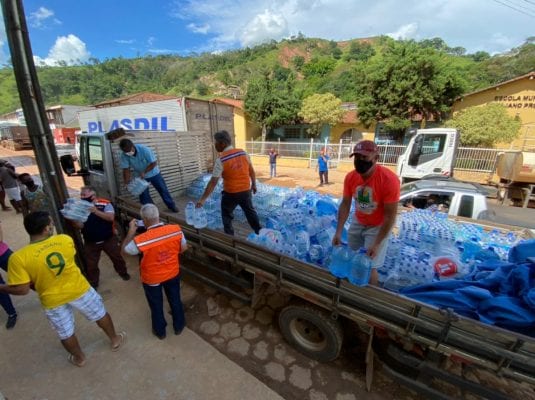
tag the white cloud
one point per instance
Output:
(475, 24)
(124, 41)
(69, 49)
(405, 32)
(264, 27)
(39, 18)
(203, 29)
(151, 40)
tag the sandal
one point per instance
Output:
(122, 335)
(73, 361)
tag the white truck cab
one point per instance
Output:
(429, 152)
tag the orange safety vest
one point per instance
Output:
(160, 247)
(235, 171)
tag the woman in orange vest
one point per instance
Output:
(239, 180)
(160, 246)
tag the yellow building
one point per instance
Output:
(351, 129)
(244, 129)
(518, 95)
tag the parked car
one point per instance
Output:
(461, 199)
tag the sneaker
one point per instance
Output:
(173, 210)
(125, 277)
(178, 331)
(11, 321)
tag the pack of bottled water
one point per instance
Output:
(76, 209)
(426, 246)
(430, 247)
(137, 186)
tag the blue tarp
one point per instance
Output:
(497, 293)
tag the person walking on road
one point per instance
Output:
(99, 235)
(8, 179)
(239, 181)
(5, 300)
(161, 244)
(273, 162)
(47, 265)
(323, 167)
(143, 161)
(376, 192)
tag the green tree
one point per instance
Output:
(403, 80)
(298, 62)
(321, 109)
(485, 126)
(271, 103)
(359, 51)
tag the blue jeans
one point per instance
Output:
(159, 184)
(5, 300)
(154, 297)
(272, 169)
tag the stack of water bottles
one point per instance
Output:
(429, 247)
(76, 210)
(137, 186)
(297, 223)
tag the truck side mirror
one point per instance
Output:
(416, 151)
(67, 164)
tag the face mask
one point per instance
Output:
(89, 199)
(130, 153)
(362, 166)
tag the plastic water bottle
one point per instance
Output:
(302, 242)
(200, 219)
(341, 259)
(361, 267)
(316, 254)
(190, 213)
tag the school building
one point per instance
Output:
(518, 96)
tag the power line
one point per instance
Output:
(527, 8)
(530, 2)
(514, 8)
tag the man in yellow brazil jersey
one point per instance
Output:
(47, 264)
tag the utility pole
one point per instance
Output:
(35, 115)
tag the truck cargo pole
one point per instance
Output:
(34, 112)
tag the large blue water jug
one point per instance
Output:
(361, 267)
(190, 213)
(326, 206)
(341, 259)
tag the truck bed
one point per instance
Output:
(505, 353)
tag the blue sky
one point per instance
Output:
(71, 30)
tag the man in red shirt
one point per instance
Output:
(376, 192)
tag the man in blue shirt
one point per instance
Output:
(143, 162)
(323, 167)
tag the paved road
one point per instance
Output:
(524, 217)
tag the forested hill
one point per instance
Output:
(312, 66)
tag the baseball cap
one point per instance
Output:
(365, 147)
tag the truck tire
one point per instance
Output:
(311, 331)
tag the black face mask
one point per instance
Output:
(362, 166)
(89, 199)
